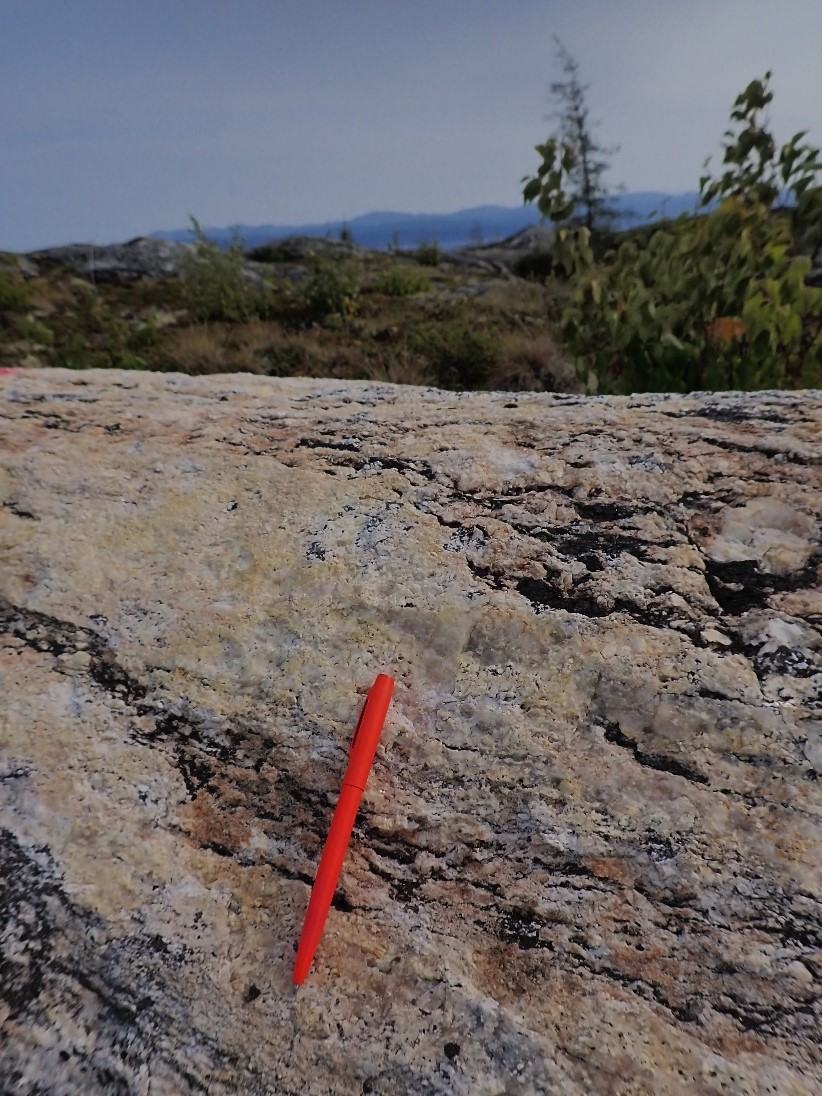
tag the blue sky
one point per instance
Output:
(121, 117)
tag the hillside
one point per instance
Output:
(464, 228)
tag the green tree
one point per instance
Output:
(709, 302)
(753, 173)
(571, 177)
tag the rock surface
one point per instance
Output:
(139, 258)
(143, 257)
(504, 256)
(588, 858)
(302, 248)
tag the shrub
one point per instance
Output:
(328, 292)
(428, 253)
(459, 354)
(216, 285)
(29, 327)
(713, 303)
(96, 337)
(710, 302)
(14, 294)
(403, 283)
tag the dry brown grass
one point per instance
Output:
(49, 295)
(532, 362)
(253, 339)
(469, 330)
(401, 369)
(225, 348)
(197, 349)
(517, 297)
(259, 348)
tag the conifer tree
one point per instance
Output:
(571, 180)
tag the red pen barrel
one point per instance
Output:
(369, 728)
(363, 748)
(325, 883)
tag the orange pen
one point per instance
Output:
(363, 748)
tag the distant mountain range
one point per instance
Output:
(481, 225)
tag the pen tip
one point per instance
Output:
(300, 971)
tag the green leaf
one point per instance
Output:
(531, 190)
(560, 212)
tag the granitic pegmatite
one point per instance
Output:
(588, 858)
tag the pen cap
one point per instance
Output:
(367, 734)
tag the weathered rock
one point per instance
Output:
(505, 256)
(143, 257)
(588, 859)
(300, 248)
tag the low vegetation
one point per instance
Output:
(14, 296)
(334, 312)
(714, 301)
(216, 284)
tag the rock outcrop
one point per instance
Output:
(505, 256)
(142, 257)
(302, 249)
(588, 859)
